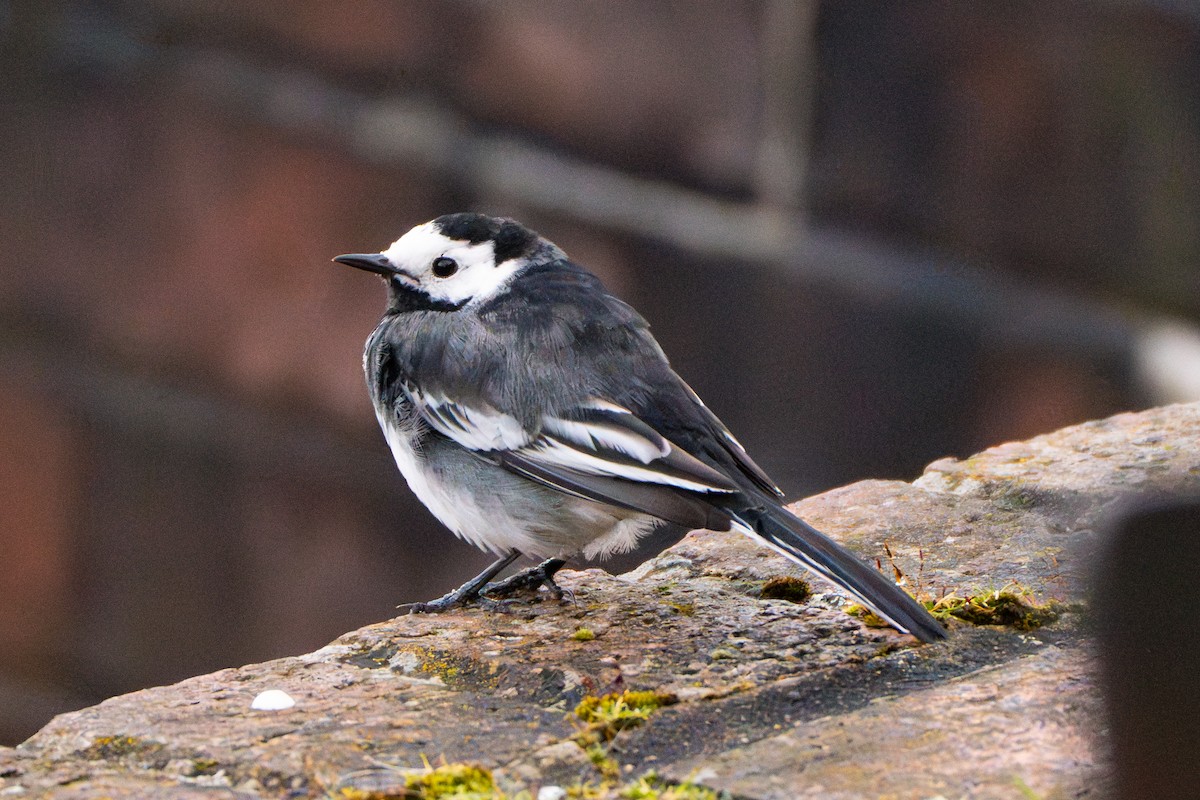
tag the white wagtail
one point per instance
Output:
(533, 413)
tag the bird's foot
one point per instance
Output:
(530, 579)
(467, 594)
(450, 601)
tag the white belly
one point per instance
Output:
(496, 510)
(441, 500)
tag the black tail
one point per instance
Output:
(810, 548)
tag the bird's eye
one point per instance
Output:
(444, 267)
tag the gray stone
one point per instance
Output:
(775, 699)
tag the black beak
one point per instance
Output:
(371, 262)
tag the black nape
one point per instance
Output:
(511, 239)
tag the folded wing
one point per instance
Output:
(599, 450)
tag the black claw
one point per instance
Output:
(421, 608)
(558, 592)
(448, 602)
(553, 588)
(444, 603)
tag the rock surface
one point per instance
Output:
(775, 699)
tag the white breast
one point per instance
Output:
(402, 439)
(512, 514)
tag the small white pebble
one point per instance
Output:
(272, 700)
(551, 793)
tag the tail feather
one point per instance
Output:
(804, 544)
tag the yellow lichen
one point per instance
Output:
(451, 668)
(110, 747)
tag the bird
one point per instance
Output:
(533, 413)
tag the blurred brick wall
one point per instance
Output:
(190, 475)
(1056, 141)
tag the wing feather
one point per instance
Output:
(477, 427)
(681, 508)
(600, 439)
(734, 448)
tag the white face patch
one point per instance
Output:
(476, 279)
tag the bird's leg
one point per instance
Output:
(467, 593)
(532, 578)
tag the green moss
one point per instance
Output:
(613, 713)
(869, 617)
(646, 787)
(458, 781)
(603, 761)
(1011, 606)
(686, 609)
(1013, 495)
(350, 793)
(785, 587)
(203, 766)
(583, 635)
(651, 787)
(1026, 792)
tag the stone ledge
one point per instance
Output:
(775, 699)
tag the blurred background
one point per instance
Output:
(869, 234)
